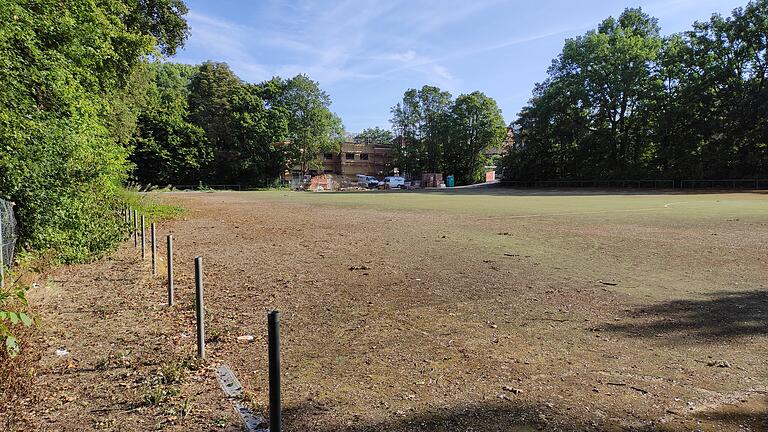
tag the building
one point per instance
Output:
(354, 157)
(357, 157)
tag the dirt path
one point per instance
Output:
(124, 358)
(415, 321)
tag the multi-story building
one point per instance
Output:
(354, 157)
(357, 157)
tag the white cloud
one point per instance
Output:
(348, 40)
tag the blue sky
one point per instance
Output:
(366, 53)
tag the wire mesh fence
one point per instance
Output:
(8, 236)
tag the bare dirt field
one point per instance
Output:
(484, 310)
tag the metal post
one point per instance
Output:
(170, 269)
(153, 238)
(143, 238)
(273, 330)
(135, 230)
(200, 309)
(2, 260)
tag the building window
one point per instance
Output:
(329, 156)
(349, 156)
(363, 156)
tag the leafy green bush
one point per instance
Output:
(68, 89)
(13, 306)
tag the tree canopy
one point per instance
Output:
(622, 101)
(72, 79)
(438, 134)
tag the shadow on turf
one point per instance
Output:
(501, 416)
(746, 420)
(721, 316)
(495, 416)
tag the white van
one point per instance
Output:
(395, 182)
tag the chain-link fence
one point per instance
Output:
(7, 238)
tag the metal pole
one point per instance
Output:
(170, 269)
(2, 249)
(153, 238)
(200, 307)
(273, 330)
(143, 238)
(135, 230)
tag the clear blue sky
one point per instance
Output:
(366, 53)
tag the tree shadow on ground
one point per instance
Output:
(746, 419)
(721, 316)
(506, 415)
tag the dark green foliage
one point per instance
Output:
(623, 102)
(67, 74)
(376, 136)
(203, 124)
(166, 147)
(474, 124)
(312, 127)
(163, 19)
(420, 121)
(437, 134)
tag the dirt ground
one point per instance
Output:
(473, 311)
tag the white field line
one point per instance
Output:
(675, 203)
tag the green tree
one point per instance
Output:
(420, 122)
(212, 90)
(166, 147)
(65, 76)
(475, 124)
(312, 127)
(259, 131)
(621, 101)
(375, 135)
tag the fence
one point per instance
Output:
(750, 184)
(204, 187)
(8, 236)
(227, 380)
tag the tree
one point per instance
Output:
(211, 92)
(166, 147)
(163, 19)
(475, 124)
(375, 135)
(66, 110)
(312, 127)
(258, 157)
(419, 120)
(621, 101)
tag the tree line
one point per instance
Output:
(70, 78)
(89, 106)
(204, 124)
(623, 102)
(436, 134)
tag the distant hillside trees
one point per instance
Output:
(622, 101)
(438, 134)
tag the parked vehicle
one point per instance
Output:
(369, 182)
(395, 182)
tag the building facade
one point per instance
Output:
(359, 158)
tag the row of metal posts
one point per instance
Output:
(273, 318)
